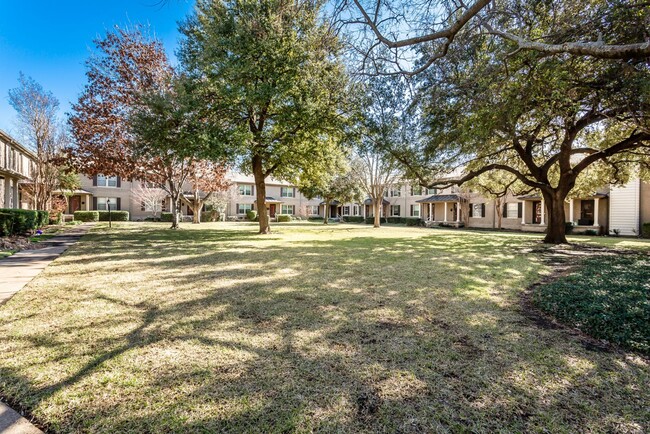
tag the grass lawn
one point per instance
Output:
(334, 329)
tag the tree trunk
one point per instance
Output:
(260, 187)
(555, 218)
(326, 212)
(376, 205)
(196, 208)
(176, 210)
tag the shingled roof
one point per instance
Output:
(440, 198)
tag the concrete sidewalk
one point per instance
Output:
(13, 423)
(18, 270)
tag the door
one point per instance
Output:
(537, 212)
(75, 204)
(333, 213)
(272, 210)
(586, 212)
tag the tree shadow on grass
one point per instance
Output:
(360, 334)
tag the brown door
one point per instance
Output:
(537, 212)
(272, 210)
(75, 204)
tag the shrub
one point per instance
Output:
(116, 216)
(396, 220)
(209, 216)
(414, 221)
(152, 219)
(166, 217)
(645, 230)
(590, 232)
(353, 219)
(251, 215)
(315, 219)
(371, 220)
(21, 221)
(568, 228)
(86, 216)
(283, 218)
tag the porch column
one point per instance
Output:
(445, 220)
(430, 218)
(543, 219)
(571, 210)
(364, 211)
(523, 212)
(596, 200)
(7, 192)
(457, 212)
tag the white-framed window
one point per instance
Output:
(312, 209)
(243, 208)
(287, 192)
(395, 192)
(415, 210)
(478, 210)
(431, 190)
(288, 209)
(394, 211)
(103, 202)
(512, 210)
(245, 190)
(346, 210)
(106, 181)
(416, 190)
(356, 210)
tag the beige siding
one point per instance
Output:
(624, 208)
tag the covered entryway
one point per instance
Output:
(271, 205)
(442, 208)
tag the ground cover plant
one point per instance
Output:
(343, 328)
(607, 296)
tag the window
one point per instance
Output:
(312, 209)
(477, 210)
(395, 192)
(243, 208)
(356, 210)
(431, 190)
(245, 190)
(288, 209)
(346, 210)
(287, 192)
(106, 181)
(416, 190)
(103, 202)
(394, 210)
(415, 210)
(512, 210)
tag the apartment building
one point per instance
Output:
(624, 208)
(16, 166)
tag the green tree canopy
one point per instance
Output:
(270, 69)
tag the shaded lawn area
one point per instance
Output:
(342, 328)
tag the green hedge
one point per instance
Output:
(86, 216)
(645, 230)
(396, 220)
(21, 221)
(116, 216)
(315, 219)
(568, 228)
(353, 219)
(251, 215)
(414, 221)
(283, 218)
(166, 217)
(371, 220)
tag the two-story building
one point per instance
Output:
(17, 164)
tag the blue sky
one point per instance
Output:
(50, 40)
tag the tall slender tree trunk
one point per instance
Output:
(196, 208)
(326, 212)
(376, 206)
(176, 210)
(555, 217)
(260, 187)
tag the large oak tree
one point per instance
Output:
(270, 70)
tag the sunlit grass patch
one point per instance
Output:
(338, 328)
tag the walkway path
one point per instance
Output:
(13, 423)
(19, 269)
